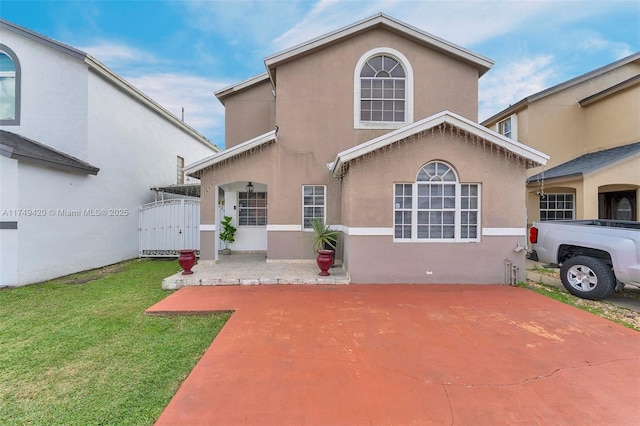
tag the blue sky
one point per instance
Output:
(180, 52)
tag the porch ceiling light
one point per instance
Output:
(249, 187)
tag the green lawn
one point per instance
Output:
(80, 351)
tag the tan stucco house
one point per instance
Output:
(590, 126)
(372, 127)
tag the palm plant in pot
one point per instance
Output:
(227, 236)
(324, 244)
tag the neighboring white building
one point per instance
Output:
(80, 149)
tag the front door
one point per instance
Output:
(619, 205)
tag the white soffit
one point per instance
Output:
(444, 117)
(231, 152)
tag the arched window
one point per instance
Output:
(383, 90)
(9, 87)
(436, 207)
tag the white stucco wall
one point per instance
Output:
(74, 110)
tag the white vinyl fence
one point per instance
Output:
(168, 226)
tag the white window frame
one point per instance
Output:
(513, 121)
(17, 89)
(404, 62)
(457, 210)
(556, 210)
(323, 205)
(255, 208)
(180, 170)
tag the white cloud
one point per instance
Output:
(593, 42)
(512, 82)
(117, 54)
(173, 91)
(467, 22)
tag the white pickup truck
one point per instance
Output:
(595, 256)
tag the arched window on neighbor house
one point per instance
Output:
(9, 87)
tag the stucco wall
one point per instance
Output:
(54, 96)
(249, 113)
(72, 109)
(377, 259)
(370, 180)
(369, 204)
(614, 120)
(560, 127)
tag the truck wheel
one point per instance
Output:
(587, 277)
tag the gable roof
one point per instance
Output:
(588, 163)
(531, 156)
(380, 20)
(562, 86)
(19, 148)
(194, 169)
(109, 76)
(237, 87)
(630, 82)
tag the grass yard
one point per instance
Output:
(80, 351)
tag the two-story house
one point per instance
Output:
(373, 128)
(590, 126)
(80, 149)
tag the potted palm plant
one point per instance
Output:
(227, 236)
(324, 244)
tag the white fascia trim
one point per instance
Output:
(363, 230)
(284, 228)
(207, 227)
(223, 93)
(435, 120)
(366, 231)
(113, 78)
(504, 232)
(482, 63)
(231, 152)
(360, 231)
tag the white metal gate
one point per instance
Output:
(168, 226)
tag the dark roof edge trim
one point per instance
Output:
(610, 91)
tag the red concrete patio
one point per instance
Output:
(404, 355)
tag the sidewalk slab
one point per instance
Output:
(402, 355)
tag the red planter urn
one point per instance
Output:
(324, 260)
(186, 260)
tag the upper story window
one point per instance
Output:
(436, 207)
(383, 82)
(9, 87)
(382, 90)
(508, 127)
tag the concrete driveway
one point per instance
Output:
(404, 355)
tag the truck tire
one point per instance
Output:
(587, 277)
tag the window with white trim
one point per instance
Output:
(437, 207)
(313, 204)
(383, 90)
(556, 206)
(9, 87)
(508, 127)
(252, 208)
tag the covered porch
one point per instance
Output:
(253, 269)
